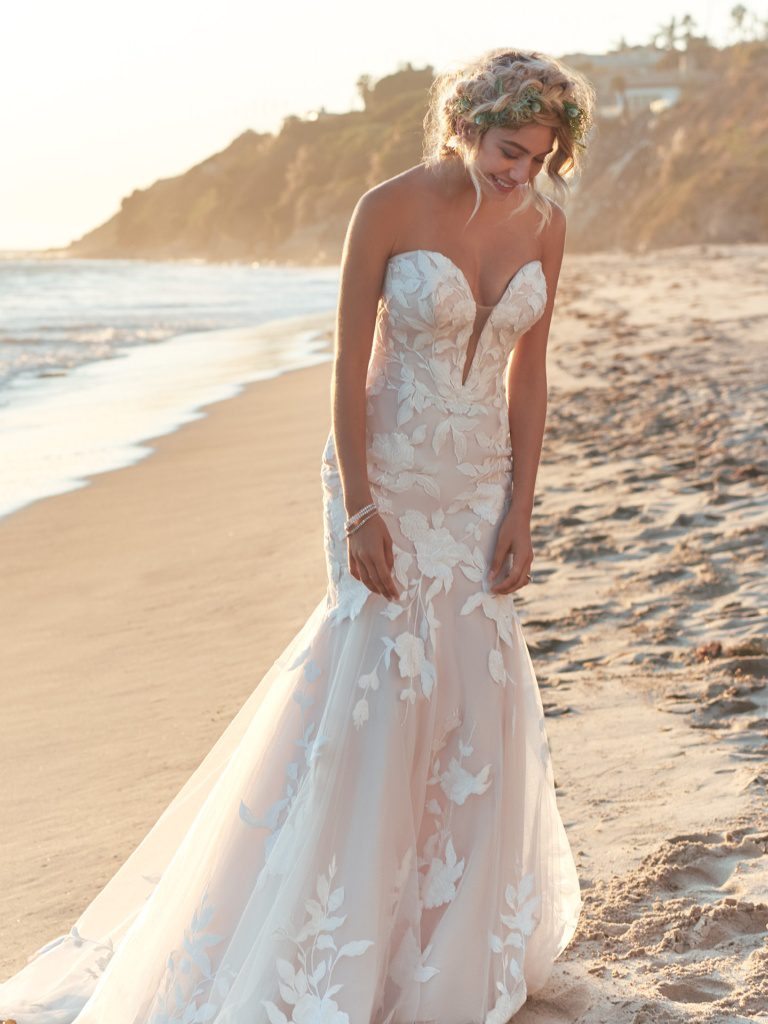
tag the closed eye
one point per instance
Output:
(514, 156)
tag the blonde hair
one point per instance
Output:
(484, 88)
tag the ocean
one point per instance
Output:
(97, 356)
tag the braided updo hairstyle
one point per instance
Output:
(487, 89)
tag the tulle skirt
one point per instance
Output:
(336, 864)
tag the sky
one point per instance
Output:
(101, 98)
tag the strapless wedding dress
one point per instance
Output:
(374, 839)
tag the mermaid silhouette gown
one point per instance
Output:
(374, 839)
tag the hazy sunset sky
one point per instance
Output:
(102, 98)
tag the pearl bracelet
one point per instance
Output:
(361, 522)
(351, 520)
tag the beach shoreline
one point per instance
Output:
(140, 611)
(107, 412)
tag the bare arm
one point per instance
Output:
(367, 246)
(527, 390)
(527, 379)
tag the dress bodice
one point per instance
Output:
(426, 322)
(437, 450)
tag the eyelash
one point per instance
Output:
(513, 156)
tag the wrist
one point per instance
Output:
(519, 513)
(354, 503)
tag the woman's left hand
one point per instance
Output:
(515, 538)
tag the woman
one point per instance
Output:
(375, 836)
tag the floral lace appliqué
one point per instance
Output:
(306, 981)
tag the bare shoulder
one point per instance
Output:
(371, 239)
(386, 209)
(555, 229)
(553, 235)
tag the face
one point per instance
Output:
(511, 157)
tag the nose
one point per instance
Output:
(523, 172)
(517, 174)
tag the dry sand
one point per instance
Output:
(139, 612)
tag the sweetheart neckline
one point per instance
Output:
(463, 276)
(467, 369)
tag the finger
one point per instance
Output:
(353, 569)
(385, 576)
(515, 579)
(502, 587)
(366, 577)
(505, 584)
(496, 562)
(501, 570)
(385, 580)
(389, 553)
(377, 579)
(518, 584)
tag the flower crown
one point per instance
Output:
(522, 110)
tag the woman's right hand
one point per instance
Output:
(371, 559)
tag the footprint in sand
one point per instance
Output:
(694, 990)
(706, 927)
(672, 917)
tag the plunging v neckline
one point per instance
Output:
(463, 276)
(467, 369)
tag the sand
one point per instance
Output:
(139, 612)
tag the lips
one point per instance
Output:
(507, 186)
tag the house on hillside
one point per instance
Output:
(630, 80)
(636, 98)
